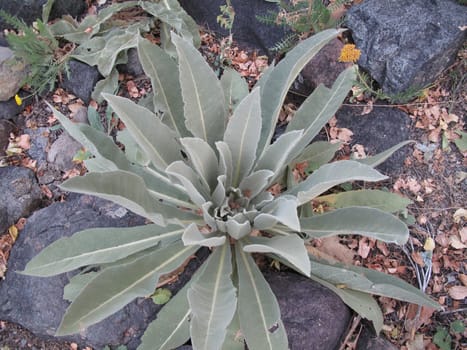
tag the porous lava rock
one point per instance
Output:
(406, 43)
(21, 195)
(81, 79)
(378, 130)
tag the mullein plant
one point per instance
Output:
(201, 175)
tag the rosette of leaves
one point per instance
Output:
(201, 174)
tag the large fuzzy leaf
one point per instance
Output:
(212, 298)
(242, 135)
(386, 201)
(192, 236)
(283, 209)
(117, 285)
(161, 68)
(238, 226)
(290, 248)
(202, 94)
(279, 80)
(156, 139)
(317, 154)
(371, 281)
(255, 183)
(235, 88)
(381, 157)
(234, 337)
(258, 310)
(319, 107)
(204, 160)
(128, 190)
(362, 303)
(333, 174)
(363, 221)
(190, 181)
(76, 285)
(277, 155)
(97, 245)
(225, 162)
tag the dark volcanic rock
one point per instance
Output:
(37, 304)
(368, 340)
(6, 127)
(20, 195)
(247, 30)
(315, 318)
(30, 10)
(81, 80)
(378, 130)
(406, 43)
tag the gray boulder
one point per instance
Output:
(20, 195)
(247, 30)
(81, 79)
(377, 131)
(30, 10)
(406, 43)
(13, 71)
(62, 152)
(6, 127)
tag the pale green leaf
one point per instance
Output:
(190, 181)
(204, 108)
(319, 107)
(363, 221)
(279, 154)
(255, 183)
(333, 174)
(133, 152)
(192, 236)
(235, 88)
(156, 139)
(234, 339)
(238, 226)
(290, 248)
(203, 158)
(371, 281)
(96, 246)
(242, 135)
(162, 69)
(212, 298)
(283, 209)
(117, 285)
(317, 154)
(161, 296)
(362, 303)
(225, 162)
(76, 285)
(386, 201)
(375, 160)
(276, 85)
(107, 85)
(258, 309)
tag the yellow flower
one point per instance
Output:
(349, 53)
(18, 100)
(429, 244)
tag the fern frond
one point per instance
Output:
(286, 43)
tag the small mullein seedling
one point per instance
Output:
(201, 174)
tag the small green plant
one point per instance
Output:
(443, 339)
(302, 17)
(202, 174)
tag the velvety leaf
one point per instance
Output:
(203, 159)
(156, 139)
(218, 195)
(381, 157)
(362, 303)
(238, 226)
(225, 162)
(317, 154)
(319, 107)
(97, 245)
(242, 135)
(202, 94)
(116, 286)
(283, 209)
(234, 339)
(235, 88)
(161, 68)
(76, 285)
(333, 174)
(107, 85)
(258, 310)
(386, 201)
(196, 190)
(363, 221)
(133, 152)
(255, 183)
(275, 87)
(279, 154)
(192, 236)
(371, 281)
(291, 248)
(212, 298)
(171, 328)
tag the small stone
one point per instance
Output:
(81, 79)
(13, 71)
(62, 151)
